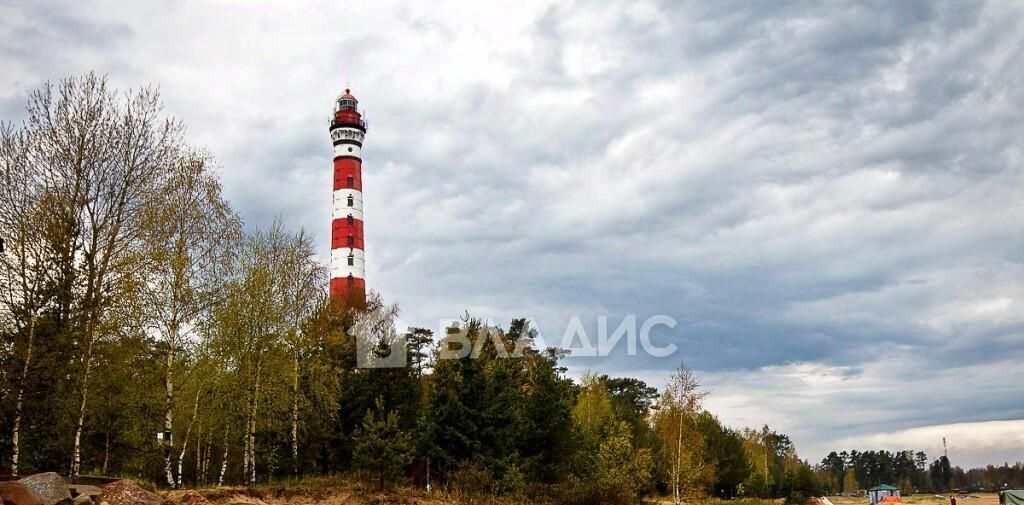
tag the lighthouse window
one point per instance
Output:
(351, 201)
(351, 184)
(351, 241)
(351, 260)
(350, 149)
(350, 220)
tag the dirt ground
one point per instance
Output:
(329, 492)
(339, 492)
(920, 499)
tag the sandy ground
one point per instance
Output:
(343, 493)
(333, 494)
(921, 499)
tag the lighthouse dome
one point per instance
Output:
(346, 101)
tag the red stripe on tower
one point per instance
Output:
(347, 251)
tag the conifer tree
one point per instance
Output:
(382, 448)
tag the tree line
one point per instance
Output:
(911, 471)
(146, 332)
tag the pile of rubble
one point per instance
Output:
(51, 489)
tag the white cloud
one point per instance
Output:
(890, 401)
(968, 443)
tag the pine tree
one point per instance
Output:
(547, 443)
(382, 449)
(723, 448)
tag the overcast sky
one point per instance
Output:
(828, 199)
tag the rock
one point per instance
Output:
(84, 489)
(126, 492)
(16, 493)
(50, 486)
(82, 499)
(193, 498)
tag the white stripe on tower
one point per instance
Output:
(347, 261)
(346, 202)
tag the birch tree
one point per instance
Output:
(681, 442)
(25, 264)
(101, 155)
(303, 287)
(190, 235)
(251, 327)
(217, 389)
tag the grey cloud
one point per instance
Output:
(792, 183)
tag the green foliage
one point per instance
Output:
(907, 469)
(382, 449)
(631, 401)
(619, 473)
(499, 411)
(755, 485)
(800, 484)
(456, 384)
(512, 483)
(613, 468)
(593, 414)
(850, 483)
(682, 464)
(774, 464)
(723, 448)
(546, 437)
(941, 474)
(622, 473)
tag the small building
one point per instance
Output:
(880, 492)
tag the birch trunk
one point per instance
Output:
(252, 426)
(20, 403)
(295, 415)
(76, 454)
(202, 459)
(172, 335)
(224, 459)
(188, 432)
(106, 453)
(206, 457)
(676, 498)
(199, 459)
(245, 444)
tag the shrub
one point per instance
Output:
(470, 479)
(512, 483)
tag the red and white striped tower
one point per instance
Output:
(348, 269)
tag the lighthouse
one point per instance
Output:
(348, 257)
